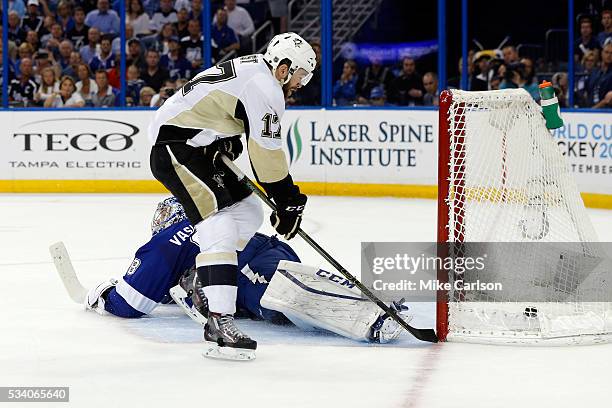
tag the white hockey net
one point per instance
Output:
(503, 179)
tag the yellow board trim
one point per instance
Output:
(81, 186)
(369, 190)
(592, 200)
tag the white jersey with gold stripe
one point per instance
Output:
(237, 96)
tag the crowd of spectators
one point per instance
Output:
(593, 63)
(401, 84)
(68, 52)
(379, 85)
(593, 58)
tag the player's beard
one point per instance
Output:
(287, 91)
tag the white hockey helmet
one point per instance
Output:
(294, 48)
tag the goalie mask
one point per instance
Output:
(294, 48)
(168, 212)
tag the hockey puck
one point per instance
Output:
(531, 312)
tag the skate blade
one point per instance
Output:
(213, 350)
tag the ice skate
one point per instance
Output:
(224, 340)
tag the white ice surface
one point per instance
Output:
(46, 340)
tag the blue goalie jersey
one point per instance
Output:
(158, 265)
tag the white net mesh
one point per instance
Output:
(509, 183)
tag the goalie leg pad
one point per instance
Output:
(314, 298)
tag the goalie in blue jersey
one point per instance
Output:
(272, 284)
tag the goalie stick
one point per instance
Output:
(66, 272)
(421, 334)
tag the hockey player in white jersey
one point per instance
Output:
(206, 118)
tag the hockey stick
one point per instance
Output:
(66, 272)
(421, 334)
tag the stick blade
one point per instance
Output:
(66, 272)
(425, 335)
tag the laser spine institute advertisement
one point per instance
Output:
(379, 147)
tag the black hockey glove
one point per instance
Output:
(288, 215)
(229, 146)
